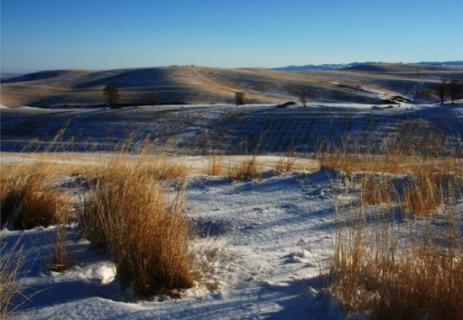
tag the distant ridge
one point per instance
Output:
(355, 82)
(355, 65)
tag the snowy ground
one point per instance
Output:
(268, 242)
(200, 129)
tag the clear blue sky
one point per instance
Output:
(103, 34)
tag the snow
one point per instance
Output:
(198, 129)
(267, 242)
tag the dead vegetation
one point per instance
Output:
(216, 166)
(286, 163)
(29, 198)
(392, 272)
(391, 277)
(128, 214)
(11, 284)
(245, 170)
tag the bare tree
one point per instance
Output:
(455, 89)
(441, 91)
(239, 98)
(112, 95)
(150, 99)
(303, 93)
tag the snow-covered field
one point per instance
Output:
(198, 129)
(267, 242)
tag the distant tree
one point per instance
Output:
(441, 91)
(239, 98)
(150, 99)
(303, 93)
(112, 95)
(455, 89)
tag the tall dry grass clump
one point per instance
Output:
(216, 166)
(394, 271)
(389, 279)
(11, 285)
(161, 168)
(60, 260)
(245, 170)
(28, 197)
(421, 192)
(286, 163)
(387, 267)
(128, 213)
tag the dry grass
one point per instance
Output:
(160, 167)
(421, 192)
(377, 189)
(247, 169)
(381, 268)
(389, 279)
(11, 285)
(350, 163)
(429, 178)
(128, 213)
(60, 255)
(28, 197)
(216, 166)
(380, 271)
(286, 164)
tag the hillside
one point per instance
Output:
(364, 83)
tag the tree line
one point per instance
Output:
(452, 89)
(447, 89)
(111, 92)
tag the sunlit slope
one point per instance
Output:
(188, 84)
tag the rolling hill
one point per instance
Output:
(367, 82)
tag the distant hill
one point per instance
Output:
(364, 65)
(356, 82)
(7, 75)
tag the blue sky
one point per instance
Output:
(103, 34)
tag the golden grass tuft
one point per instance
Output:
(389, 280)
(161, 168)
(286, 164)
(29, 199)
(376, 189)
(128, 213)
(393, 272)
(247, 169)
(379, 271)
(60, 255)
(419, 193)
(216, 166)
